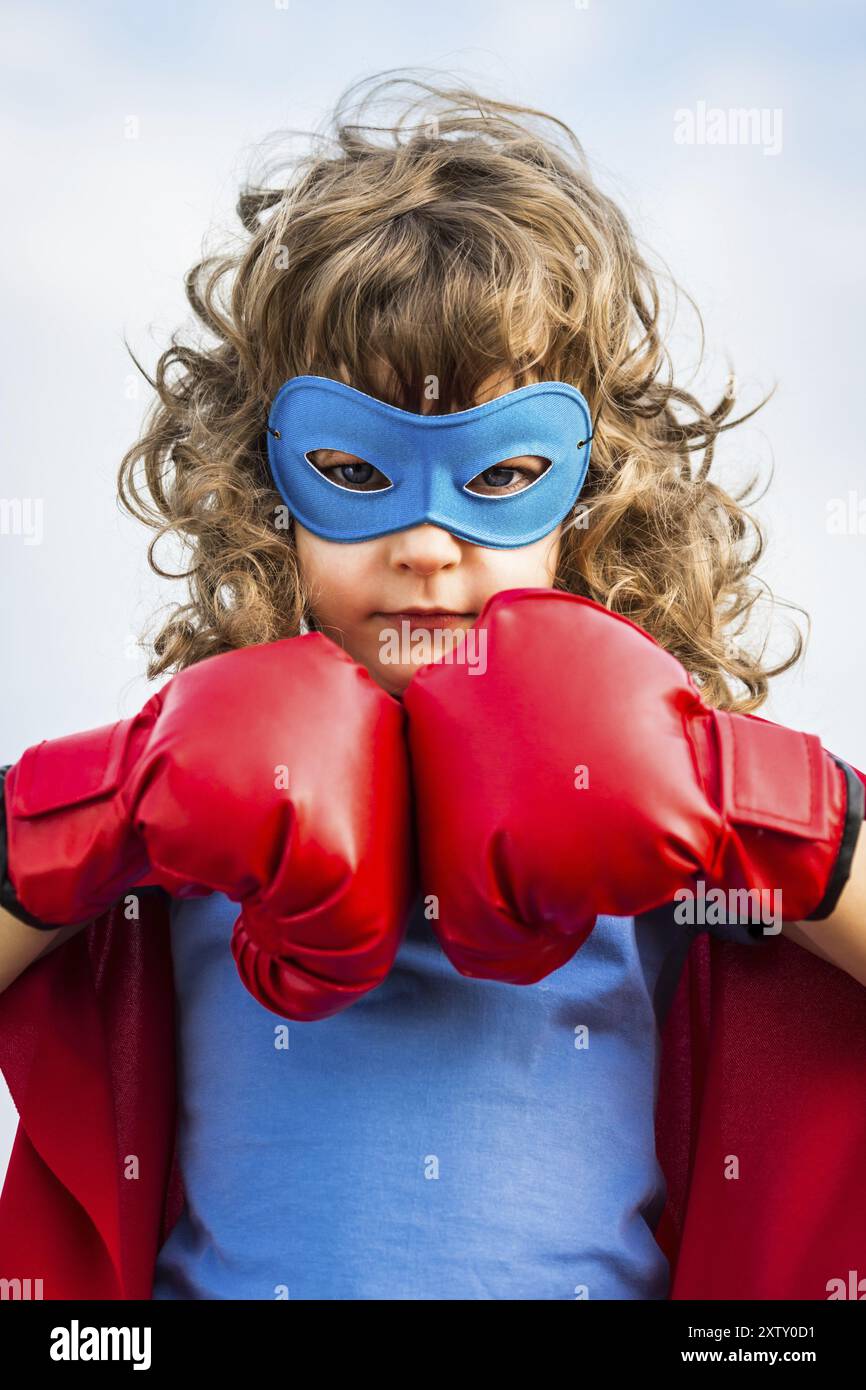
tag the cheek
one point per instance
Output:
(548, 546)
(338, 575)
(316, 566)
(312, 569)
(532, 565)
(554, 543)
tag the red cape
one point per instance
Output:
(763, 1059)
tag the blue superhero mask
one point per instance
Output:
(428, 460)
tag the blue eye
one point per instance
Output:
(499, 476)
(355, 472)
(508, 477)
(355, 475)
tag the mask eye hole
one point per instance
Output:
(510, 476)
(347, 471)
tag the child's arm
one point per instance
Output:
(841, 937)
(21, 944)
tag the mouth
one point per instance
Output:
(427, 617)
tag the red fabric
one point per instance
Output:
(763, 1057)
(87, 1050)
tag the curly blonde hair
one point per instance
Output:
(467, 241)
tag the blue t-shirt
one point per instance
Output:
(443, 1138)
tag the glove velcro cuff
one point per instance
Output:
(8, 899)
(783, 799)
(69, 847)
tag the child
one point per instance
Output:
(440, 326)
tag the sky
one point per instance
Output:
(126, 129)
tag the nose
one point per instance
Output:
(424, 549)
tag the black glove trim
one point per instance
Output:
(7, 892)
(854, 792)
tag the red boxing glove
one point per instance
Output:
(582, 774)
(276, 774)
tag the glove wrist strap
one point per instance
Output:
(854, 813)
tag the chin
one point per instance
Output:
(398, 678)
(394, 679)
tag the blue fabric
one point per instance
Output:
(428, 460)
(443, 1138)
